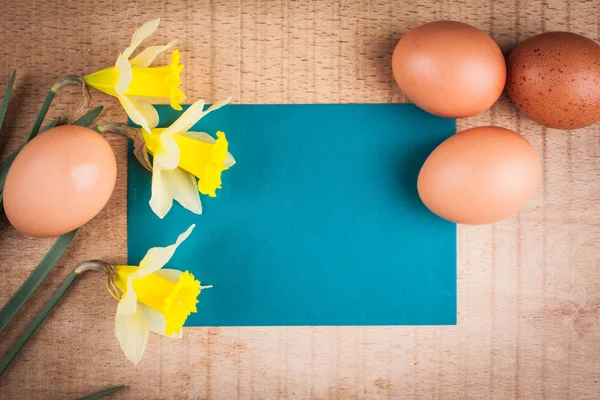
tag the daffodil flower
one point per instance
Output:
(153, 299)
(136, 84)
(186, 162)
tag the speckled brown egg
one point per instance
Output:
(554, 79)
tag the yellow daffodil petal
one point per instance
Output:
(146, 110)
(175, 184)
(169, 274)
(133, 112)
(192, 115)
(147, 56)
(183, 188)
(187, 119)
(166, 158)
(166, 155)
(124, 73)
(229, 161)
(161, 199)
(156, 321)
(199, 136)
(140, 35)
(128, 303)
(157, 257)
(132, 332)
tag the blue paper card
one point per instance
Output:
(318, 223)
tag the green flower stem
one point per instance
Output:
(15, 303)
(6, 361)
(103, 393)
(70, 80)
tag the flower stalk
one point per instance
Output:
(140, 151)
(70, 80)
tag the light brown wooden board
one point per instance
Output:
(528, 287)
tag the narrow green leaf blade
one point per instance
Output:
(5, 165)
(31, 329)
(103, 393)
(41, 115)
(4, 106)
(89, 117)
(50, 125)
(15, 303)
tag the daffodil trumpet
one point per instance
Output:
(137, 84)
(186, 163)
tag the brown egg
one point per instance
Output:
(554, 79)
(59, 181)
(479, 176)
(449, 69)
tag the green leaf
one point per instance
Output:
(5, 165)
(89, 117)
(15, 303)
(31, 329)
(103, 393)
(41, 115)
(4, 106)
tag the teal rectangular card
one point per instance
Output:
(318, 223)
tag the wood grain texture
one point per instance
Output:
(528, 287)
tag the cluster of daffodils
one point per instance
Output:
(186, 163)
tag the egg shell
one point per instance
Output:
(449, 69)
(59, 181)
(479, 176)
(554, 79)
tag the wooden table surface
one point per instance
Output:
(528, 287)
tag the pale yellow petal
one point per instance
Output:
(229, 161)
(152, 100)
(187, 119)
(134, 113)
(157, 257)
(161, 199)
(147, 111)
(184, 189)
(156, 321)
(171, 275)
(194, 114)
(199, 136)
(147, 56)
(167, 157)
(125, 74)
(128, 303)
(140, 34)
(132, 332)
